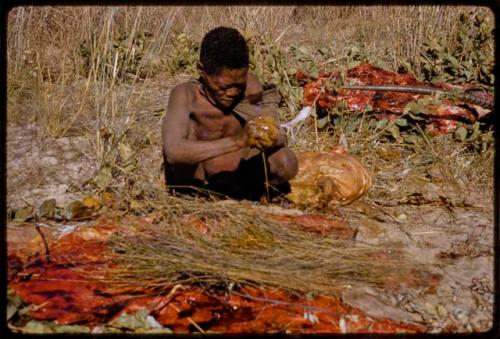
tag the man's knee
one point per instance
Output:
(283, 164)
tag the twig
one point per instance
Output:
(163, 302)
(316, 115)
(264, 160)
(393, 218)
(428, 232)
(189, 319)
(47, 253)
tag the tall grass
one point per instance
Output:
(44, 42)
(84, 70)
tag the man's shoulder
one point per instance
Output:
(253, 84)
(254, 90)
(186, 89)
(187, 85)
(259, 100)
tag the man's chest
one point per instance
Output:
(210, 123)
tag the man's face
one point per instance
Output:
(226, 88)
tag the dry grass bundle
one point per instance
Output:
(244, 245)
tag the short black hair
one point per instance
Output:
(223, 47)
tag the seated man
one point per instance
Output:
(216, 127)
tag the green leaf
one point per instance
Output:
(26, 310)
(140, 320)
(401, 122)
(354, 51)
(381, 124)
(409, 107)
(411, 139)
(104, 177)
(353, 64)
(313, 71)
(394, 130)
(420, 106)
(323, 122)
(38, 327)
(323, 51)
(24, 214)
(454, 62)
(47, 209)
(76, 210)
(486, 138)
(476, 132)
(310, 295)
(125, 151)
(43, 327)
(71, 329)
(159, 330)
(303, 50)
(415, 117)
(461, 133)
(406, 66)
(106, 329)
(14, 302)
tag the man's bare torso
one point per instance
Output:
(208, 122)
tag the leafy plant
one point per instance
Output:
(470, 60)
(184, 55)
(354, 56)
(120, 57)
(272, 65)
(118, 159)
(303, 59)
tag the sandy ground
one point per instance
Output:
(452, 235)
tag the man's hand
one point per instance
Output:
(262, 132)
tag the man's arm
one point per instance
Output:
(254, 98)
(282, 139)
(175, 128)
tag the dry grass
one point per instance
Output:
(44, 43)
(245, 245)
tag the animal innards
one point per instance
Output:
(270, 169)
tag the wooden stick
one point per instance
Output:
(266, 176)
(47, 253)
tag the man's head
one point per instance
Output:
(223, 65)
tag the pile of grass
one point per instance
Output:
(247, 246)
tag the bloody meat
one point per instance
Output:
(66, 290)
(442, 118)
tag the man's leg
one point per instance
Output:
(283, 166)
(181, 179)
(248, 181)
